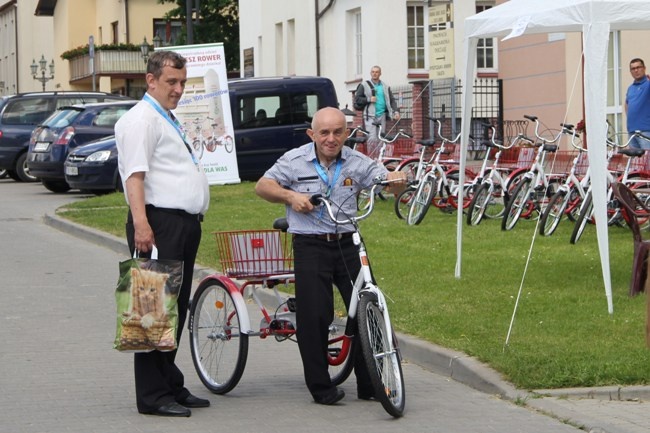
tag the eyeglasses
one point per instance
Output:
(636, 68)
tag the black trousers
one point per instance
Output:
(319, 265)
(158, 380)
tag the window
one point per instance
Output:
(116, 32)
(353, 49)
(169, 32)
(109, 116)
(358, 51)
(28, 111)
(273, 110)
(615, 93)
(486, 50)
(415, 36)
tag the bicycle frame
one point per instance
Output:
(483, 186)
(365, 281)
(375, 332)
(524, 201)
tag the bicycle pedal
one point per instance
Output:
(281, 325)
(291, 304)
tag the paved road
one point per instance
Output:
(60, 374)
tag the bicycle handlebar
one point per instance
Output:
(356, 129)
(501, 146)
(635, 134)
(539, 137)
(444, 139)
(570, 129)
(317, 199)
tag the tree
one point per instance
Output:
(218, 22)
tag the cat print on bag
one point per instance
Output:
(147, 302)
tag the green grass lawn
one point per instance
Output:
(562, 334)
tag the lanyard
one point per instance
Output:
(174, 122)
(325, 178)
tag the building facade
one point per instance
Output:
(415, 41)
(31, 30)
(24, 39)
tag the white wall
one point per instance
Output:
(24, 38)
(384, 39)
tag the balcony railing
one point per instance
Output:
(107, 63)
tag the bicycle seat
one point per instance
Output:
(428, 142)
(387, 137)
(357, 139)
(632, 152)
(281, 224)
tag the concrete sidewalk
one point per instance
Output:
(607, 409)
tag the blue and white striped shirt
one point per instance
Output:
(295, 170)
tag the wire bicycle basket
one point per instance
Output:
(248, 254)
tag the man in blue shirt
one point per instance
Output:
(637, 104)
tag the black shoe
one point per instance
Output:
(194, 401)
(366, 394)
(170, 409)
(329, 399)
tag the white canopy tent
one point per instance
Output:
(595, 19)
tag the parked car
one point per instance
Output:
(93, 167)
(66, 129)
(288, 104)
(20, 113)
(3, 171)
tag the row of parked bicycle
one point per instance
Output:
(551, 185)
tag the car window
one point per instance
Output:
(304, 107)
(62, 118)
(26, 111)
(258, 111)
(109, 116)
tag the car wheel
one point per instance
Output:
(22, 172)
(56, 185)
(3, 173)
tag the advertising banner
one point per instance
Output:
(204, 111)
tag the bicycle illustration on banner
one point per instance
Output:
(207, 138)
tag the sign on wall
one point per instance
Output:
(204, 111)
(441, 41)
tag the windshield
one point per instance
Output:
(62, 117)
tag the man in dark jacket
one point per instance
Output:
(376, 100)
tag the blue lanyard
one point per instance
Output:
(325, 178)
(174, 122)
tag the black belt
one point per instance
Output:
(328, 237)
(181, 212)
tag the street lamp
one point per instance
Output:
(43, 65)
(144, 47)
(144, 50)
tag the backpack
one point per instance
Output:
(361, 101)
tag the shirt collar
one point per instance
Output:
(310, 152)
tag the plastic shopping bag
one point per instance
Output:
(147, 310)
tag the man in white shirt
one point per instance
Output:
(167, 193)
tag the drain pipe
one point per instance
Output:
(318, 16)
